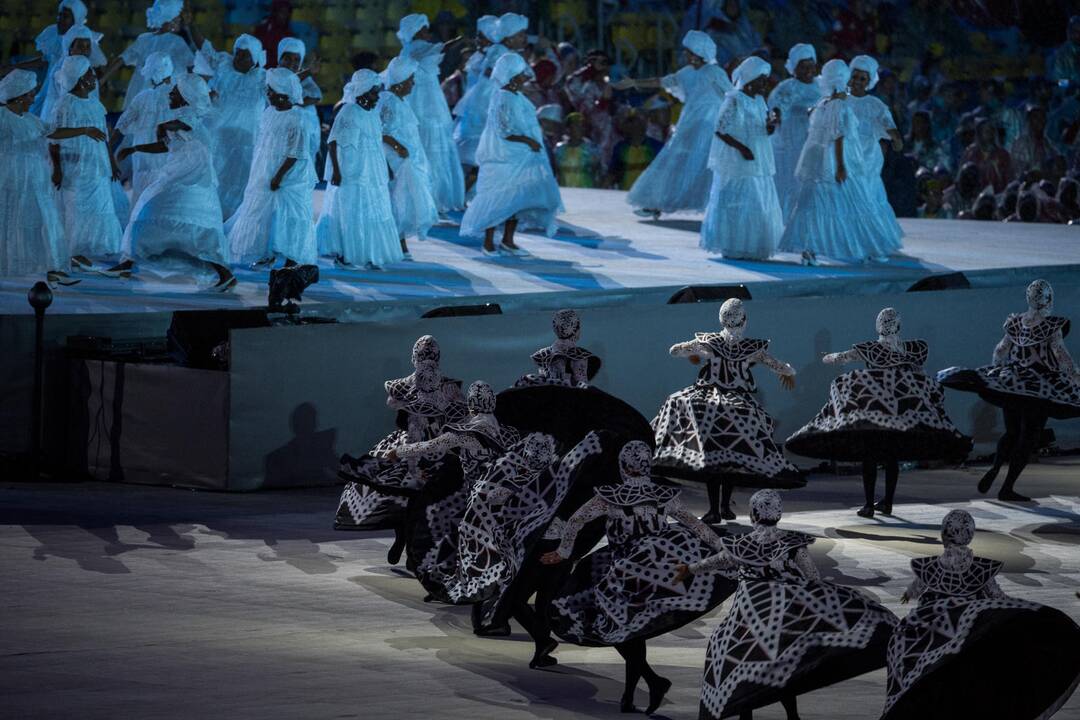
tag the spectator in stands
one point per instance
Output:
(658, 113)
(992, 106)
(274, 28)
(960, 197)
(854, 28)
(994, 162)
(984, 207)
(1068, 196)
(590, 94)
(1033, 148)
(1007, 201)
(568, 60)
(632, 154)
(932, 196)
(1065, 64)
(921, 144)
(1027, 208)
(453, 87)
(543, 90)
(550, 118)
(577, 158)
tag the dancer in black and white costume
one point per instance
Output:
(563, 362)
(627, 592)
(433, 513)
(715, 431)
(1032, 379)
(969, 650)
(886, 413)
(788, 631)
(378, 485)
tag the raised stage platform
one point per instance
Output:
(605, 253)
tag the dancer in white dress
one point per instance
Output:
(470, 113)
(410, 187)
(139, 122)
(516, 184)
(78, 40)
(33, 241)
(834, 216)
(357, 225)
(179, 212)
(743, 220)
(51, 44)
(83, 166)
(436, 125)
(792, 99)
(164, 22)
(875, 124)
(239, 82)
(679, 177)
(291, 54)
(275, 217)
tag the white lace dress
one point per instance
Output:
(169, 43)
(793, 99)
(411, 187)
(436, 126)
(138, 124)
(875, 122)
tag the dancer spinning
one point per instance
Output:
(715, 431)
(792, 99)
(179, 212)
(875, 124)
(429, 104)
(969, 650)
(678, 179)
(788, 631)
(140, 120)
(274, 218)
(563, 362)
(516, 185)
(1032, 378)
(33, 233)
(832, 215)
(743, 219)
(357, 225)
(886, 413)
(410, 185)
(629, 591)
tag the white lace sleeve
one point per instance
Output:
(504, 115)
(1061, 354)
(780, 368)
(1001, 350)
(597, 507)
(690, 347)
(589, 445)
(839, 358)
(806, 565)
(702, 532)
(440, 446)
(720, 562)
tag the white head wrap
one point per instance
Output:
(1040, 296)
(399, 70)
(156, 67)
(750, 70)
(509, 67)
(360, 82)
(410, 25)
(76, 32)
(488, 26)
(16, 84)
(888, 322)
(550, 112)
(701, 45)
(77, 8)
(869, 66)
(834, 77)
(285, 82)
(766, 506)
(291, 45)
(957, 528)
(253, 45)
(195, 92)
(798, 53)
(163, 11)
(73, 68)
(492, 55)
(511, 24)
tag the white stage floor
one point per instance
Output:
(601, 246)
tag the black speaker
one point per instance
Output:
(195, 334)
(463, 310)
(709, 293)
(945, 281)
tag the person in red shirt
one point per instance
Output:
(275, 28)
(993, 161)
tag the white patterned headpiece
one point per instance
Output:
(509, 66)
(834, 76)
(426, 349)
(750, 70)
(71, 71)
(481, 398)
(253, 45)
(635, 460)
(869, 66)
(285, 82)
(511, 24)
(77, 8)
(409, 26)
(701, 45)
(488, 26)
(1040, 296)
(292, 45)
(888, 321)
(16, 84)
(157, 67)
(399, 70)
(766, 506)
(361, 82)
(566, 324)
(733, 314)
(957, 528)
(798, 53)
(76, 32)
(195, 92)
(538, 450)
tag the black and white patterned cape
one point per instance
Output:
(627, 589)
(1031, 369)
(376, 489)
(715, 428)
(788, 631)
(507, 514)
(969, 650)
(561, 363)
(888, 411)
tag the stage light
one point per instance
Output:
(287, 285)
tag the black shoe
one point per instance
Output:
(987, 480)
(883, 507)
(657, 691)
(626, 705)
(867, 511)
(542, 658)
(712, 518)
(493, 631)
(727, 513)
(394, 556)
(1012, 496)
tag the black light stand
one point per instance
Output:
(40, 297)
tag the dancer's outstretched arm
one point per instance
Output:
(703, 532)
(596, 507)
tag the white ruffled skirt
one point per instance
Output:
(679, 177)
(743, 219)
(273, 223)
(444, 164)
(357, 224)
(523, 188)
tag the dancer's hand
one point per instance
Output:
(392, 455)
(402, 151)
(624, 84)
(905, 598)
(534, 145)
(551, 558)
(694, 359)
(57, 177)
(124, 154)
(746, 153)
(335, 178)
(841, 174)
(787, 382)
(682, 572)
(94, 134)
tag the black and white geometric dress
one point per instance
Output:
(507, 514)
(970, 651)
(888, 411)
(627, 590)
(1031, 369)
(377, 489)
(563, 362)
(788, 631)
(715, 428)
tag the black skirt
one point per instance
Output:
(1018, 387)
